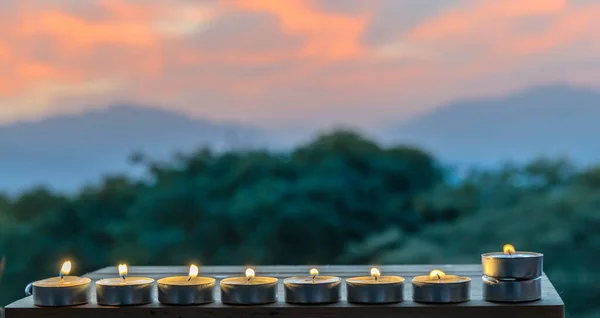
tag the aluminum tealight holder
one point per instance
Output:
(249, 290)
(512, 276)
(511, 290)
(375, 289)
(439, 288)
(313, 289)
(46, 293)
(186, 290)
(60, 291)
(124, 291)
(512, 264)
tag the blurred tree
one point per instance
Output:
(340, 198)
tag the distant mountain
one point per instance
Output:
(547, 121)
(67, 151)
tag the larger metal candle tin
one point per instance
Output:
(134, 291)
(519, 265)
(257, 291)
(54, 296)
(367, 290)
(456, 291)
(511, 290)
(312, 290)
(179, 290)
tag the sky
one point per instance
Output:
(287, 63)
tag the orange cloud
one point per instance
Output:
(328, 35)
(273, 61)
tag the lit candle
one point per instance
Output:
(312, 289)
(375, 289)
(62, 290)
(124, 290)
(512, 264)
(249, 290)
(439, 288)
(186, 290)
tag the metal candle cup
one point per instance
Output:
(439, 288)
(511, 290)
(375, 289)
(512, 264)
(249, 290)
(124, 291)
(178, 290)
(57, 292)
(312, 289)
(60, 291)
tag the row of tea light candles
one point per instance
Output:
(437, 287)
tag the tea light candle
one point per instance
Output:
(313, 289)
(439, 288)
(375, 289)
(249, 290)
(512, 264)
(124, 290)
(60, 291)
(186, 290)
(512, 290)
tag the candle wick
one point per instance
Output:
(438, 275)
(123, 276)
(376, 277)
(313, 279)
(189, 278)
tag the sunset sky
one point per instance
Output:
(287, 63)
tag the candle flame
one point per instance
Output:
(314, 272)
(193, 271)
(66, 268)
(436, 273)
(123, 270)
(250, 274)
(508, 249)
(375, 273)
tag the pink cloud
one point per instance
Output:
(277, 62)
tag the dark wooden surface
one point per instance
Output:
(550, 305)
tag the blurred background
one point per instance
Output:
(299, 132)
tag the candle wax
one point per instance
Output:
(448, 279)
(514, 255)
(258, 280)
(129, 281)
(183, 281)
(310, 280)
(67, 281)
(380, 280)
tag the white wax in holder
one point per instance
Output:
(511, 264)
(375, 289)
(437, 287)
(313, 289)
(249, 290)
(186, 290)
(60, 291)
(124, 290)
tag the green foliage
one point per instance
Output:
(338, 199)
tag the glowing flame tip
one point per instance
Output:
(375, 272)
(66, 268)
(123, 270)
(436, 273)
(508, 249)
(193, 271)
(250, 273)
(314, 272)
